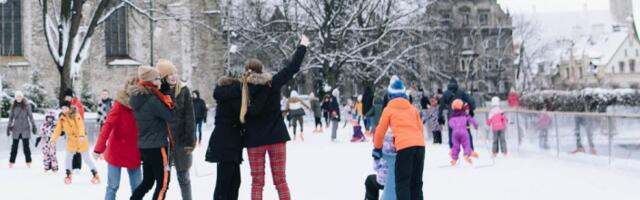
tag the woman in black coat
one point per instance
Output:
(263, 121)
(225, 144)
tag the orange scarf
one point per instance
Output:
(166, 99)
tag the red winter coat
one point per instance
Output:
(121, 134)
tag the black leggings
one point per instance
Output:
(318, 122)
(155, 169)
(25, 148)
(228, 181)
(372, 187)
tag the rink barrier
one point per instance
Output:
(603, 123)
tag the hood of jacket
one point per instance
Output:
(135, 91)
(453, 85)
(226, 81)
(122, 97)
(260, 79)
(399, 103)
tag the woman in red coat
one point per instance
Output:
(121, 134)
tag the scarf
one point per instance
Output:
(166, 99)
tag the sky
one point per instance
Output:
(530, 6)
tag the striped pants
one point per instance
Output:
(277, 159)
(155, 169)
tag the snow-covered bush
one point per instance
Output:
(37, 95)
(591, 99)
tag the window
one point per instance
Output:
(632, 65)
(621, 65)
(483, 17)
(116, 34)
(11, 28)
(580, 72)
(466, 42)
(626, 53)
(465, 13)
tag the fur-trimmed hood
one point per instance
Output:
(122, 97)
(226, 81)
(138, 90)
(260, 79)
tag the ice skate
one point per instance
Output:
(67, 180)
(475, 154)
(454, 162)
(302, 136)
(96, 178)
(468, 159)
(578, 150)
(28, 165)
(11, 165)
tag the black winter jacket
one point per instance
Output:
(151, 117)
(226, 141)
(264, 122)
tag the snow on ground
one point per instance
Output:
(320, 169)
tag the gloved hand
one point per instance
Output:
(441, 120)
(473, 114)
(376, 154)
(34, 130)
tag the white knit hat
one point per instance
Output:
(495, 101)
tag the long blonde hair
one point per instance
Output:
(251, 66)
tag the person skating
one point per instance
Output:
(182, 126)
(332, 108)
(118, 143)
(152, 111)
(367, 105)
(357, 136)
(265, 128)
(104, 106)
(408, 132)
(359, 108)
(384, 179)
(49, 158)
(295, 108)
(432, 119)
(200, 111)
(543, 124)
(324, 105)
(70, 96)
(20, 127)
(316, 107)
(454, 92)
(77, 141)
(459, 123)
(225, 144)
(498, 123)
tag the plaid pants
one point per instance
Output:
(278, 161)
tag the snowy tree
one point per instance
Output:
(68, 33)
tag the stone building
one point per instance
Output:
(476, 46)
(194, 43)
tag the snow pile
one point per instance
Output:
(561, 100)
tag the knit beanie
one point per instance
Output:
(165, 67)
(396, 88)
(457, 104)
(495, 101)
(147, 73)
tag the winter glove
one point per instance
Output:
(9, 130)
(441, 120)
(473, 114)
(376, 154)
(34, 130)
(38, 141)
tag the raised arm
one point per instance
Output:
(285, 75)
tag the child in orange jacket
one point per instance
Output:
(408, 133)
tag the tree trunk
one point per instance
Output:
(65, 81)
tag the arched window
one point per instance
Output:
(115, 31)
(11, 28)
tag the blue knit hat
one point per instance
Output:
(396, 88)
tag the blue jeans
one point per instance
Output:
(199, 129)
(113, 180)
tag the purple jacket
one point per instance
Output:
(459, 122)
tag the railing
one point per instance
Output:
(605, 138)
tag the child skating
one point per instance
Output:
(498, 123)
(384, 178)
(77, 142)
(358, 136)
(49, 158)
(432, 120)
(458, 123)
(408, 133)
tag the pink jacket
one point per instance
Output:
(498, 122)
(544, 121)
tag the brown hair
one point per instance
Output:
(254, 65)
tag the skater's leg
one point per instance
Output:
(185, 184)
(496, 142)
(334, 129)
(135, 177)
(26, 150)
(503, 142)
(450, 138)
(455, 150)
(88, 160)
(466, 145)
(69, 160)
(405, 161)
(113, 182)
(14, 151)
(227, 185)
(278, 161)
(416, 177)
(257, 162)
(161, 172)
(148, 179)
(470, 140)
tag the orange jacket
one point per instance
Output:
(406, 125)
